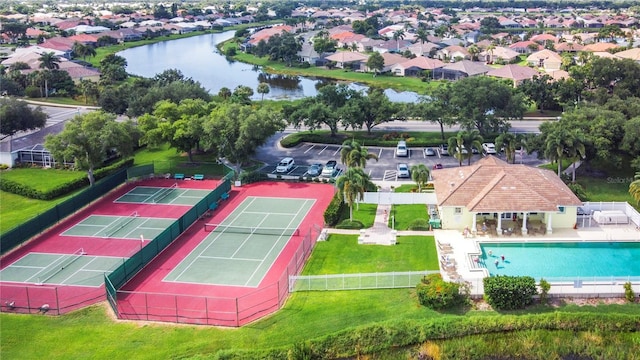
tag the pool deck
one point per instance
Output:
(456, 253)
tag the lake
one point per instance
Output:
(197, 57)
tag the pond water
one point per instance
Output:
(197, 58)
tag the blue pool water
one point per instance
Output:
(547, 260)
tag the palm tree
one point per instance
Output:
(423, 36)
(471, 140)
(397, 36)
(490, 49)
(263, 88)
(474, 50)
(509, 143)
(48, 61)
(420, 175)
(353, 154)
(634, 188)
(575, 150)
(456, 147)
(353, 184)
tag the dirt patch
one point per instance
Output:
(482, 305)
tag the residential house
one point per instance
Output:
(416, 66)
(460, 69)
(420, 49)
(453, 53)
(525, 47)
(543, 38)
(348, 59)
(308, 54)
(547, 59)
(568, 47)
(499, 54)
(633, 54)
(599, 47)
(500, 196)
(516, 73)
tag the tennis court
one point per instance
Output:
(120, 227)
(77, 269)
(172, 195)
(241, 250)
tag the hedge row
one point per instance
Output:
(332, 214)
(63, 189)
(374, 338)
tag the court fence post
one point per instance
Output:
(55, 291)
(146, 306)
(28, 300)
(237, 313)
(175, 300)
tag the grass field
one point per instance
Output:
(341, 254)
(167, 160)
(365, 213)
(403, 215)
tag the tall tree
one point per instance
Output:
(236, 131)
(263, 88)
(436, 107)
(471, 140)
(352, 186)
(88, 138)
(508, 142)
(17, 116)
(423, 36)
(48, 61)
(457, 149)
(420, 175)
(634, 188)
(375, 62)
(397, 36)
(369, 110)
(352, 154)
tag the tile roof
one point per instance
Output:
(492, 185)
(514, 72)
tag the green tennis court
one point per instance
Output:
(121, 227)
(165, 196)
(64, 269)
(241, 250)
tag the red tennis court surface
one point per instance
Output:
(28, 297)
(148, 297)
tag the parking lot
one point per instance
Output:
(384, 169)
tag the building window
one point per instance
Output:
(457, 211)
(561, 209)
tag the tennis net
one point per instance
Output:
(64, 263)
(251, 230)
(164, 193)
(120, 224)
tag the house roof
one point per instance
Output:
(501, 53)
(601, 46)
(470, 68)
(545, 55)
(422, 62)
(492, 185)
(514, 72)
(633, 54)
(347, 56)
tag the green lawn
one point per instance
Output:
(341, 254)
(167, 160)
(365, 213)
(403, 215)
(16, 209)
(41, 179)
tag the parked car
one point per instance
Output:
(285, 165)
(489, 148)
(315, 170)
(437, 166)
(329, 168)
(444, 149)
(403, 170)
(401, 149)
(429, 152)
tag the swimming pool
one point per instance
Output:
(573, 259)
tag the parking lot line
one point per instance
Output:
(323, 149)
(311, 148)
(380, 153)
(337, 151)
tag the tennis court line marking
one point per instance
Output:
(248, 237)
(268, 213)
(64, 281)
(226, 258)
(51, 265)
(206, 247)
(276, 242)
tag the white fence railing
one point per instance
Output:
(589, 207)
(390, 198)
(388, 280)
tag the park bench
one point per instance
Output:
(178, 176)
(198, 177)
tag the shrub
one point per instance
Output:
(578, 190)
(419, 225)
(544, 291)
(509, 292)
(332, 214)
(628, 292)
(32, 92)
(435, 293)
(248, 177)
(348, 224)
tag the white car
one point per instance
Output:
(489, 148)
(401, 149)
(403, 170)
(329, 168)
(285, 165)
